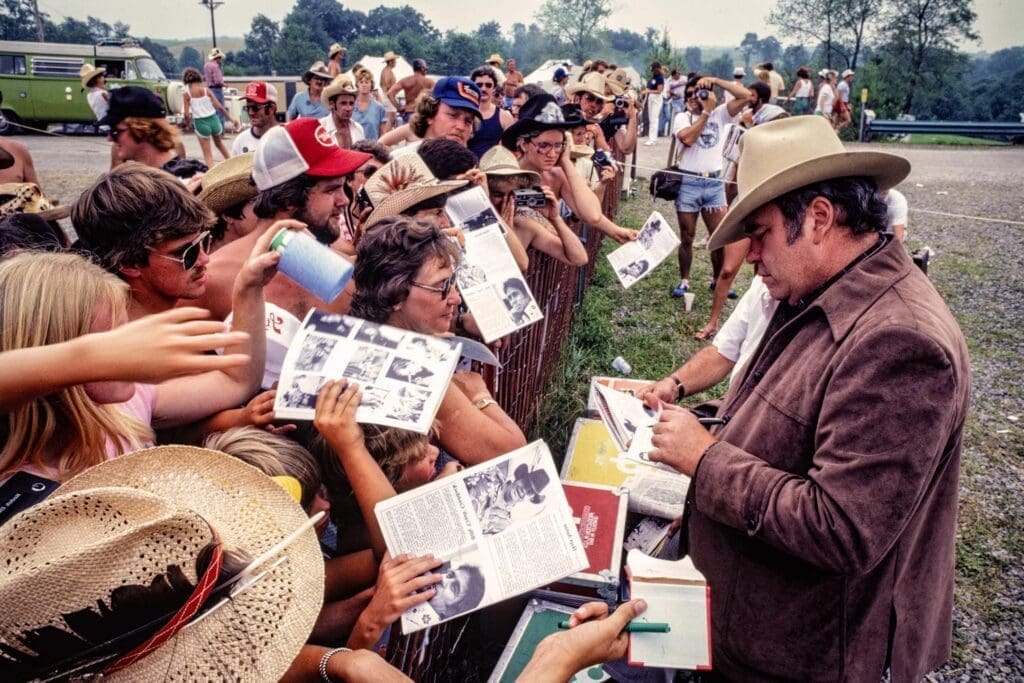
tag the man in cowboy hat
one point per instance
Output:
(496, 62)
(214, 77)
(309, 104)
(412, 86)
(261, 107)
(595, 94)
(823, 513)
(335, 56)
(387, 79)
(340, 96)
(495, 493)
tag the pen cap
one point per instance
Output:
(312, 265)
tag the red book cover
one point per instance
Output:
(600, 516)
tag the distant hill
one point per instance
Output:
(225, 43)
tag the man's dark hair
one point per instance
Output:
(446, 158)
(379, 151)
(290, 194)
(859, 205)
(30, 232)
(767, 66)
(484, 71)
(530, 89)
(802, 72)
(419, 66)
(763, 91)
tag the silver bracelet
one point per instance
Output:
(326, 658)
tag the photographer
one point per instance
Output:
(608, 117)
(700, 129)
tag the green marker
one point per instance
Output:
(637, 627)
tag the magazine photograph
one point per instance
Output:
(634, 260)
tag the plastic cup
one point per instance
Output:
(314, 266)
(621, 365)
(688, 299)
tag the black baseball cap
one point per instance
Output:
(131, 100)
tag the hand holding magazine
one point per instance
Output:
(635, 260)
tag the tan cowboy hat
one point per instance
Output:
(341, 85)
(592, 83)
(317, 70)
(617, 81)
(390, 56)
(123, 535)
(28, 198)
(787, 154)
(228, 184)
(335, 49)
(89, 72)
(415, 183)
(496, 59)
(501, 162)
(215, 53)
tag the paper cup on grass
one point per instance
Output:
(688, 301)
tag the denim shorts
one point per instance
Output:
(700, 193)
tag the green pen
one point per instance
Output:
(637, 627)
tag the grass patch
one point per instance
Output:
(943, 139)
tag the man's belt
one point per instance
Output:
(216, 86)
(702, 174)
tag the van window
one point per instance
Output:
(115, 68)
(149, 70)
(12, 65)
(57, 66)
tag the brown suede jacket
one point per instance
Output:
(825, 517)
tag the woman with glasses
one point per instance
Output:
(494, 118)
(309, 104)
(405, 277)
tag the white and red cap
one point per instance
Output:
(302, 146)
(260, 93)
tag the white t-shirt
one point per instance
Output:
(355, 128)
(805, 88)
(826, 96)
(244, 142)
(705, 155)
(896, 211)
(844, 91)
(98, 102)
(741, 334)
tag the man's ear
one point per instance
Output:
(823, 213)
(129, 272)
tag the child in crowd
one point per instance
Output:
(200, 109)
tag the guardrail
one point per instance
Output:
(1003, 129)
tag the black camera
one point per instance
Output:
(702, 93)
(362, 200)
(602, 159)
(532, 198)
(621, 102)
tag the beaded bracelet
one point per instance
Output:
(326, 658)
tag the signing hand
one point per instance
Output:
(664, 389)
(679, 440)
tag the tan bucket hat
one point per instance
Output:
(617, 81)
(127, 534)
(89, 72)
(390, 56)
(592, 83)
(787, 154)
(499, 161)
(335, 49)
(228, 184)
(215, 53)
(341, 85)
(317, 70)
(401, 183)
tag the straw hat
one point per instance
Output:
(127, 522)
(215, 53)
(501, 162)
(592, 83)
(335, 49)
(341, 85)
(617, 81)
(787, 154)
(496, 59)
(28, 198)
(401, 183)
(317, 70)
(390, 56)
(89, 72)
(228, 184)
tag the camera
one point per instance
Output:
(702, 93)
(602, 159)
(362, 200)
(621, 102)
(532, 198)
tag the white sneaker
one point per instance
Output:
(650, 142)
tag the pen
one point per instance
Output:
(636, 627)
(711, 420)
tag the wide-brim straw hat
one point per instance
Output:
(228, 184)
(787, 154)
(498, 161)
(123, 522)
(318, 69)
(341, 85)
(89, 72)
(335, 49)
(496, 59)
(592, 83)
(28, 198)
(215, 53)
(390, 56)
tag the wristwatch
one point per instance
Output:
(680, 389)
(482, 403)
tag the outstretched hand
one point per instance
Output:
(402, 583)
(335, 416)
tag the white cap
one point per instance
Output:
(848, 72)
(277, 159)
(739, 71)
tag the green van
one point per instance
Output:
(40, 82)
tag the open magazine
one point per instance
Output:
(635, 260)
(630, 422)
(489, 280)
(502, 527)
(403, 375)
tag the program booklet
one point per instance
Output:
(635, 260)
(676, 594)
(489, 280)
(503, 528)
(403, 375)
(627, 385)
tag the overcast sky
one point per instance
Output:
(1000, 22)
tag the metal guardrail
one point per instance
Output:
(969, 128)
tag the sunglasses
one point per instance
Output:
(367, 171)
(255, 108)
(190, 254)
(115, 133)
(484, 84)
(443, 290)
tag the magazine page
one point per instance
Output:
(403, 375)
(503, 528)
(635, 260)
(625, 416)
(630, 386)
(489, 280)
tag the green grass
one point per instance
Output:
(939, 139)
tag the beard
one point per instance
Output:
(326, 231)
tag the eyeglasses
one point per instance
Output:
(545, 147)
(587, 97)
(690, 94)
(443, 290)
(255, 108)
(190, 254)
(484, 84)
(367, 171)
(115, 133)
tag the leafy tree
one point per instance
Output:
(748, 46)
(17, 22)
(666, 54)
(793, 57)
(296, 49)
(575, 22)
(769, 49)
(530, 46)
(259, 42)
(693, 59)
(190, 57)
(161, 55)
(810, 19)
(625, 41)
(858, 16)
(382, 22)
(71, 31)
(460, 54)
(721, 66)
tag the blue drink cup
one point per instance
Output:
(313, 266)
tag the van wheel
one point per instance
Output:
(7, 120)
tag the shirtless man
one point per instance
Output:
(316, 197)
(387, 79)
(513, 79)
(412, 86)
(16, 163)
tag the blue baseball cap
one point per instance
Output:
(560, 73)
(458, 92)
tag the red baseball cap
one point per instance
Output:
(302, 146)
(260, 93)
